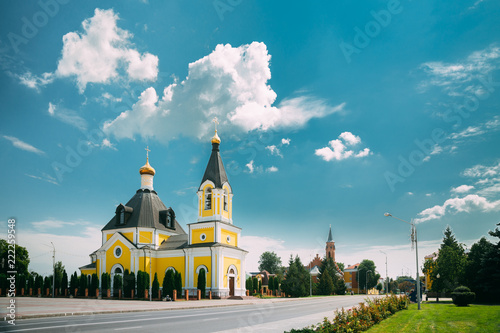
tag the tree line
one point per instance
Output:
(479, 269)
(295, 279)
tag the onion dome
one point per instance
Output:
(215, 138)
(147, 169)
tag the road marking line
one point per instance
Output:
(127, 328)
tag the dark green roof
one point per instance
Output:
(143, 210)
(215, 171)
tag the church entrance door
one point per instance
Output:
(231, 286)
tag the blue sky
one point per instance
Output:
(331, 113)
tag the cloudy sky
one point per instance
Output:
(330, 114)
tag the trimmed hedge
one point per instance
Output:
(462, 296)
(361, 317)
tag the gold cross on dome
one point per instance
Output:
(147, 152)
(215, 121)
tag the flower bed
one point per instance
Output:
(361, 317)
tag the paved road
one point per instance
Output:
(263, 317)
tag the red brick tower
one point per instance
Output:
(330, 246)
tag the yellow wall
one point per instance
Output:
(88, 271)
(225, 233)
(195, 235)
(124, 260)
(203, 261)
(145, 237)
(108, 236)
(161, 264)
(162, 238)
(228, 262)
(129, 236)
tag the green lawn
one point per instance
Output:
(442, 317)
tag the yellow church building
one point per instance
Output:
(144, 235)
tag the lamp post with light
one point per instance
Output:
(414, 241)
(437, 292)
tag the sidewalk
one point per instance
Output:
(33, 307)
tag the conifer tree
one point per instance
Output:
(202, 283)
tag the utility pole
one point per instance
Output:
(54, 270)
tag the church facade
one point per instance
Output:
(144, 235)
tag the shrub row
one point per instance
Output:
(361, 317)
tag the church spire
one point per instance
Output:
(330, 238)
(330, 245)
(215, 194)
(147, 173)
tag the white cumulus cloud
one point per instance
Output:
(456, 205)
(338, 148)
(230, 83)
(97, 55)
(462, 189)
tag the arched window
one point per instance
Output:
(225, 200)
(122, 216)
(208, 198)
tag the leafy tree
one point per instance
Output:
(202, 283)
(491, 266)
(58, 270)
(22, 259)
(269, 261)
(297, 278)
(406, 286)
(379, 287)
(260, 285)
(482, 270)
(366, 270)
(325, 284)
(155, 286)
(178, 283)
(169, 283)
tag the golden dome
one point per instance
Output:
(147, 169)
(215, 138)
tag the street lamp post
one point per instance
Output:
(386, 274)
(366, 280)
(54, 270)
(415, 241)
(437, 292)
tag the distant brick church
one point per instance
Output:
(315, 264)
